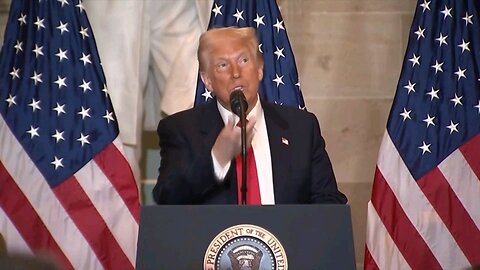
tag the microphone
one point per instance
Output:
(238, 102)
(239, 105)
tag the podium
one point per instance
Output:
(255, 237)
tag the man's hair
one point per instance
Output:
(208, 38)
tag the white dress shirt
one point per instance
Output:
(261, 149)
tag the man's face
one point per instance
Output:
(232, 65)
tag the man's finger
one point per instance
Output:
(231, 121)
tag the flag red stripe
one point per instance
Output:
(114, 165)
(26, 220)
(407, 239)
(470, 151)
(91, 224)
(369, 262)
(451, 211)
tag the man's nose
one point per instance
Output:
(235, 71)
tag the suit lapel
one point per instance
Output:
(278, 134)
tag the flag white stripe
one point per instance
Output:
(15, 242)
(43, 200)
(464, 182)
(110, 206)
(119, 145)
(418, 209)
(381, 245)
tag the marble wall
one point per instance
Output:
(349, 55)
(4, 6)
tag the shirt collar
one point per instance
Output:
(256, 112)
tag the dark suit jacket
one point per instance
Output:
(302, 172)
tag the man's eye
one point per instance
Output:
(244, 60)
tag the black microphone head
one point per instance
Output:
(238, 102)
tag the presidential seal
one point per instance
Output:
(245, 247)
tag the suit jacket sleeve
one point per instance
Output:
(186, 171)
(324, 186)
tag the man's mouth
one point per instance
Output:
(238, 88)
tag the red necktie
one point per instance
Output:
(253, 190)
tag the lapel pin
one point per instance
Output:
(284, 141)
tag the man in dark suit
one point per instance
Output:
(199, 146)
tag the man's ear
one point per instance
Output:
(206, 80)
(260, 73)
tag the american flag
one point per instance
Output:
(65, 186)
(425, 207)
(280, 82)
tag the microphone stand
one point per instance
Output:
(239, 105)
(243, 123)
